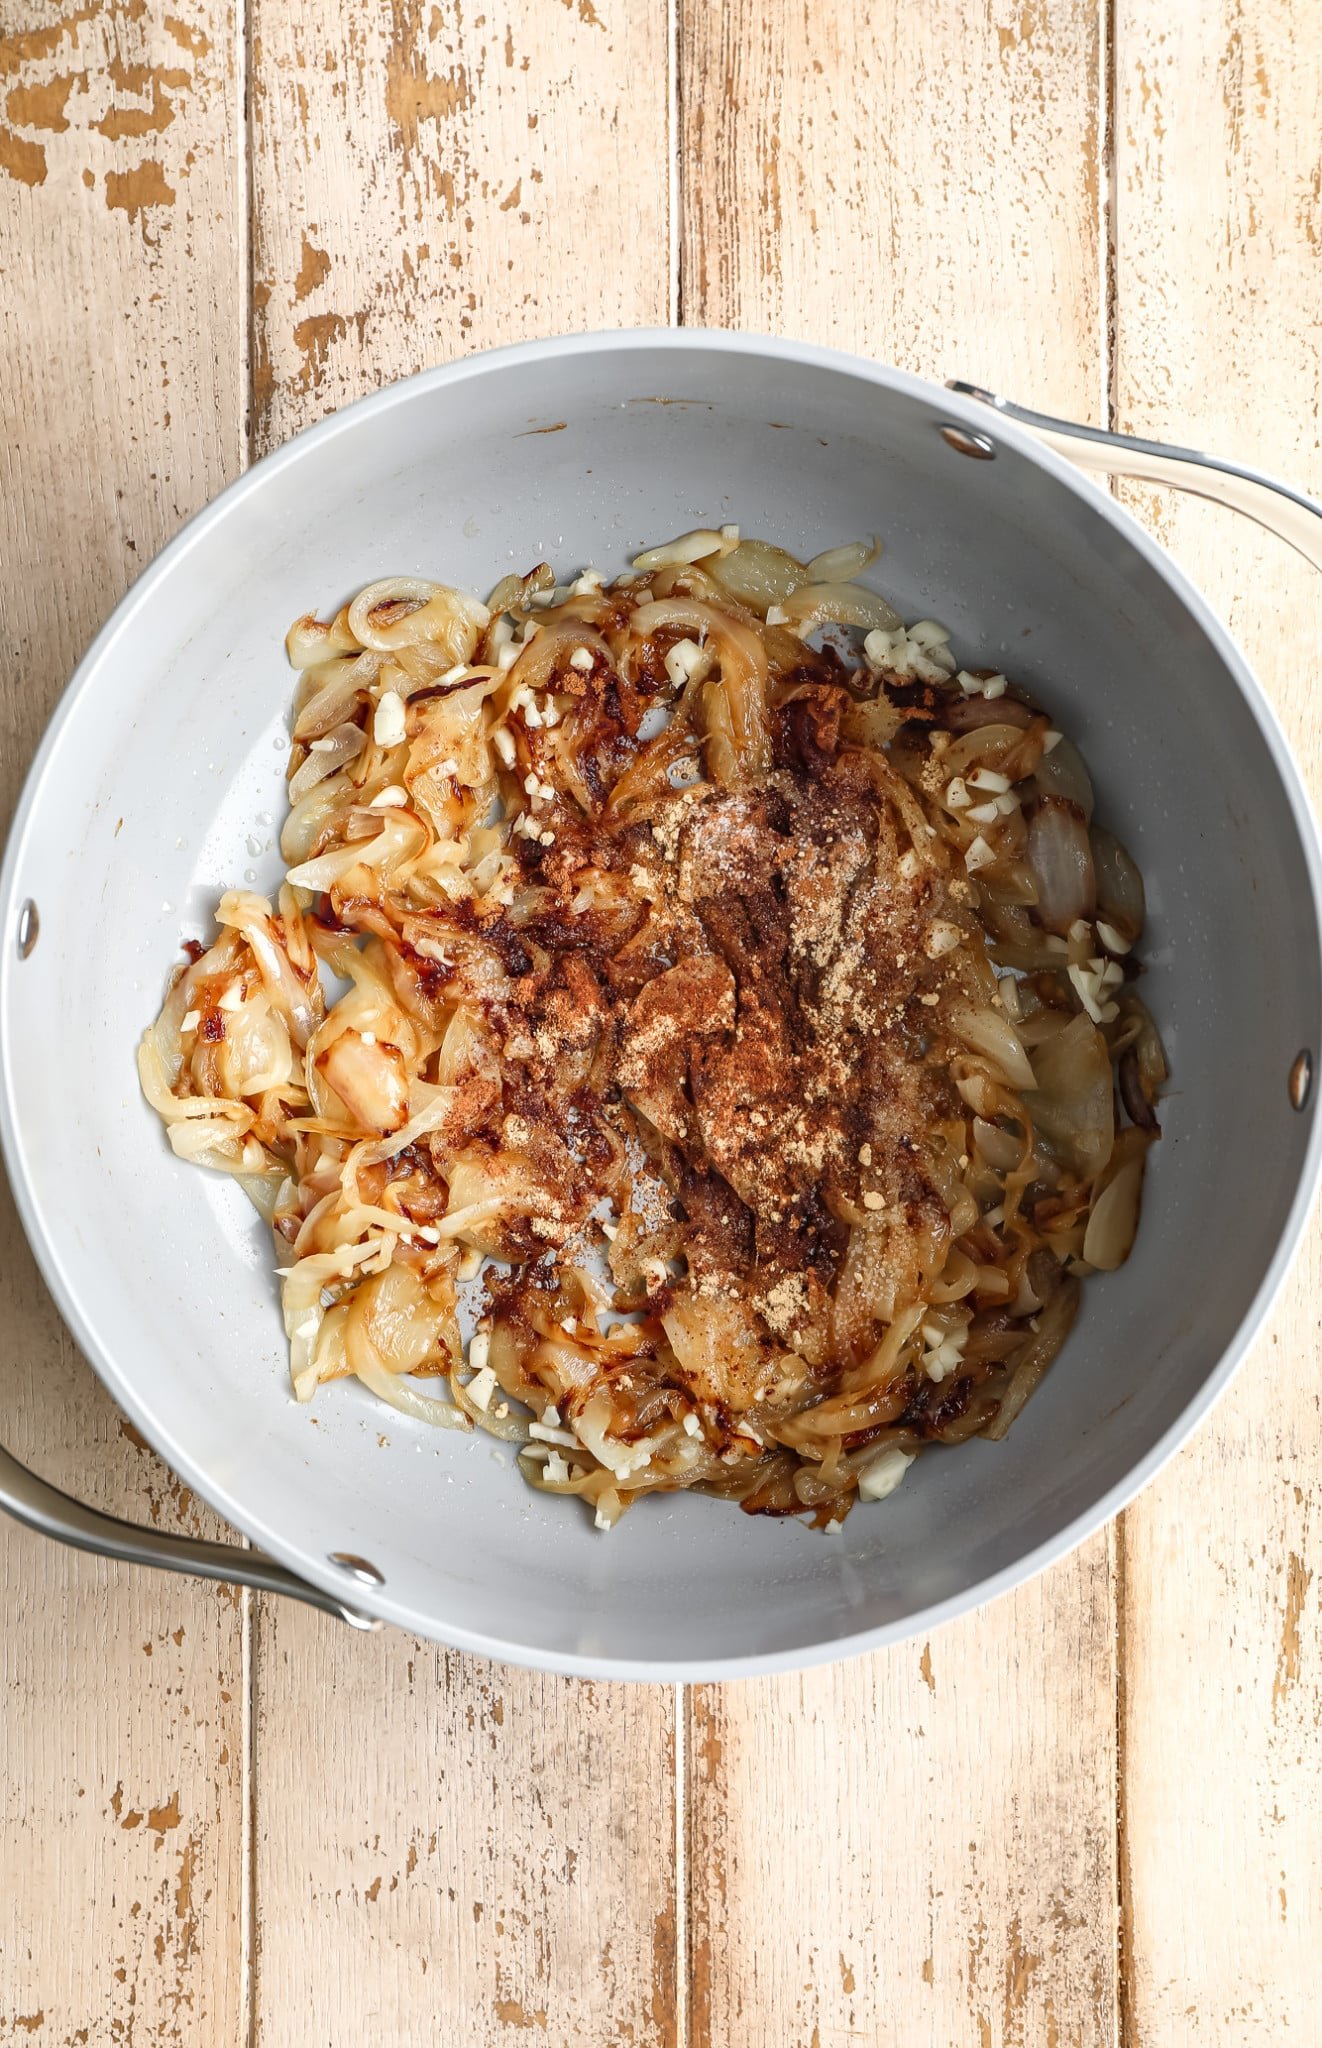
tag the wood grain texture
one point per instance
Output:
(122, 1696)
(430, 180)
(919, 183)
(1219, 317)
(488, 1851)
(918, 1847)
(452, 1851)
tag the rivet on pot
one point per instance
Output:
(980, 446)
(1301, 1080)
(357, 1567)
(29, 924)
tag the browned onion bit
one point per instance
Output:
(1137, 1107)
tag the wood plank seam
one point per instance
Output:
(1124, 1905)
(1219, 269)
(680, 1869)
(675, 83)
(248, 1831)
(121, 338)
(674, 169)
(249, 1924)
(1109, 89)
(1110, 254)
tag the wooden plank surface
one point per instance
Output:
(431, 180)
(933, 1846)
(494, 1850)
(122, 1696)
(918, 1847)
(1219, 316)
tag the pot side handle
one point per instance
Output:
(1288, 513)
(38, 1505)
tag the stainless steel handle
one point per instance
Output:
(1288, 513)
(41, 1506)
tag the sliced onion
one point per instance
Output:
(298, 1001)
(300, 1301)
(335, 688)
(1013, 884)
(401, 838)
(513, 592)
(697, 546)
(998, 743)
(841, 565)
(1011, 924)
(958, 1277)
(399, 610)
(345, 743)
(1120, 897)
(1001, 1149)
(371, 1081)
(263, 1191)
(976, 1086)
(1062, 773)
(734, 708)
(1109, 1238)
(758, 574)
(1031, 1362)
(208, 1142)
(401, 1394)
(511, 1428)
(839, 604)
(1137, 1106)
(994, 1036)
(308, 642)
(395, 1322)
(308, 820)
(1142, 1064)
(429, 1107)
(1073, 1107)
(155, 1079)
(543, 658)
(1045, 1022)
(1061, 858)
(966, 714)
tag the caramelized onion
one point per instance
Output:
(1120, 896)
(843, 564)
(333, 690)
(609, 906)
(1072, 1105)
(1060, 855)
(839, 604)
(341, 745)
(402, 609)
(1033, 1358)
(309, 642)
(758, 574)
(1113, 1219)
(990, 1032)
(966, 714)
(1061, 773)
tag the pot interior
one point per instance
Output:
(164, 784)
